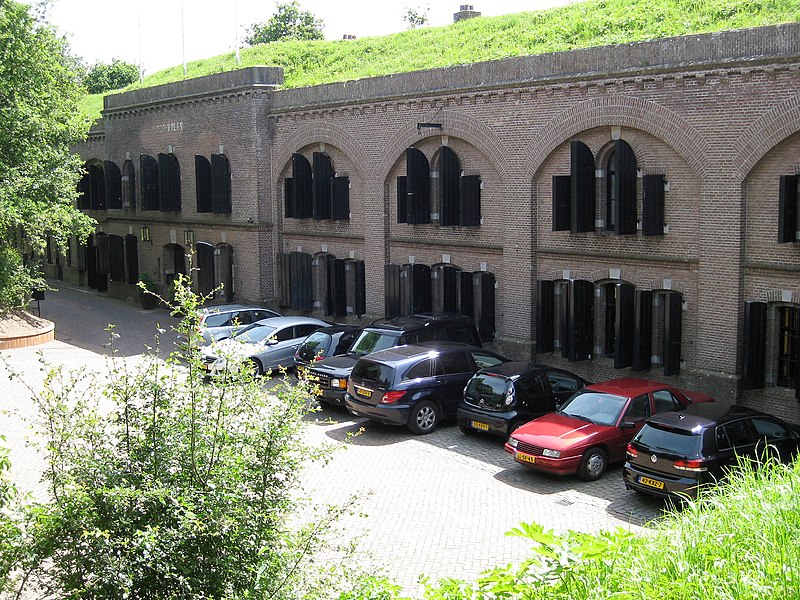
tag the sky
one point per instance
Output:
(163, 33)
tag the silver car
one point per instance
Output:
(223, 320)
(267, 344)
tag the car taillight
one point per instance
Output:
(689, 465)
(318, 357)
(391, 397)
(631, 452)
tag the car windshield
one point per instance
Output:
(254, 333)
(317, 343)
(674, 441)
(372, 341)
(594, 407)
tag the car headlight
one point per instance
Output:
(339, 383)
(513, 442)
(551, 453)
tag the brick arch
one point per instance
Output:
(455, 125)
(320, 132)
(763, 134)
(625, 111)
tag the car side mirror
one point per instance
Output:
(270, 341)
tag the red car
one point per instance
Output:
(593, 427)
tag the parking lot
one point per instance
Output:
(436, 505)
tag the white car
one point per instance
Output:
(266, 344)
(223, 320)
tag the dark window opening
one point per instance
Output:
(220, 184)
(97, 188)
(340, 198)
(788, 331)
(148, 168)
(322, 174)
(169, 183)
(418, 187)
(611, 319)
(611, 190)
(787, 208)
(132, 258)
(205, 268)
(116, 257)
(202, 177)
(128, 185)
(113, 185)
(582, 188)
(302, 188)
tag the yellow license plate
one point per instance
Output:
(479, 425)
(653, 483)
(525, 457)
(363, 392)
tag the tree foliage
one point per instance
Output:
(102, 77)
(288, 22)
(39, 122)
(416, 16)
(168, 484)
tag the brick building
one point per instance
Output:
(616, 210)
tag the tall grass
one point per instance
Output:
(580, 25)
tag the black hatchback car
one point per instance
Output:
(417, 386)
(500, 399)
(676, 452)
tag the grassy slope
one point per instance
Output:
(581, 25)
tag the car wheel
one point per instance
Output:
(424, 417)
(593, 464)
(255, 367)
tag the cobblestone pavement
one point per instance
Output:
(436, 505)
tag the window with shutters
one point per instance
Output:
(322, 174)
(113, 184)
(315, 191)
(788, 208)
(116, 257)
(202, 178)
(169, 183)
(788, 357)
(611, 190)
(148, 171)
(97, 187)
(220, 185)
(132, 258)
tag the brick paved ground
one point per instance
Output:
(437, 505)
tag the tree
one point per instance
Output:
(39, 122)
(288, 22)
(102, 77)
(416, 16)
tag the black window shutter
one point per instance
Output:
(169, 183)
(449, 186)
(402, 199)
(103, 252)
(450, 279)
(284, 279)
(562, 190)
(340, 198)
(84, 190)
(624, 326)
(581, 320)
(337, 288)
(653, 205)
(288, 198)
(148, 167)
(116, 257)
(466, 295)
(582, 192)
(673, 315)
(179, 258)
(97, 181)
(202, 177)
(360, 306)
(787, 209)
(391, 275)
(545, 314)
(113, 184)
(220, 184)
(322, 174)
(91, 266)
(205, 268)
(642, 330)
(471, 200)
(418, 183)
(420, 288)
(302, 297)
(303, 195)
(486, 304)
(132, 258)
(625, 188)
(754, 345)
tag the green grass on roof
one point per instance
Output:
(580, 25)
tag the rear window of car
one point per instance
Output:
(675, 441)
(373, 372)
(372, 341)
(316, 343)
(491, 388)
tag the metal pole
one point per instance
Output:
(183, 39)
(236, 34)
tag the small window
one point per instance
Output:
(531, 386)
(770, 430)
(483, 360)
(664, 401)
(559, 382)
(454, 362)
(419, 370)
(284, 335)
(639, 408)
(345, 341)
(734, 435)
